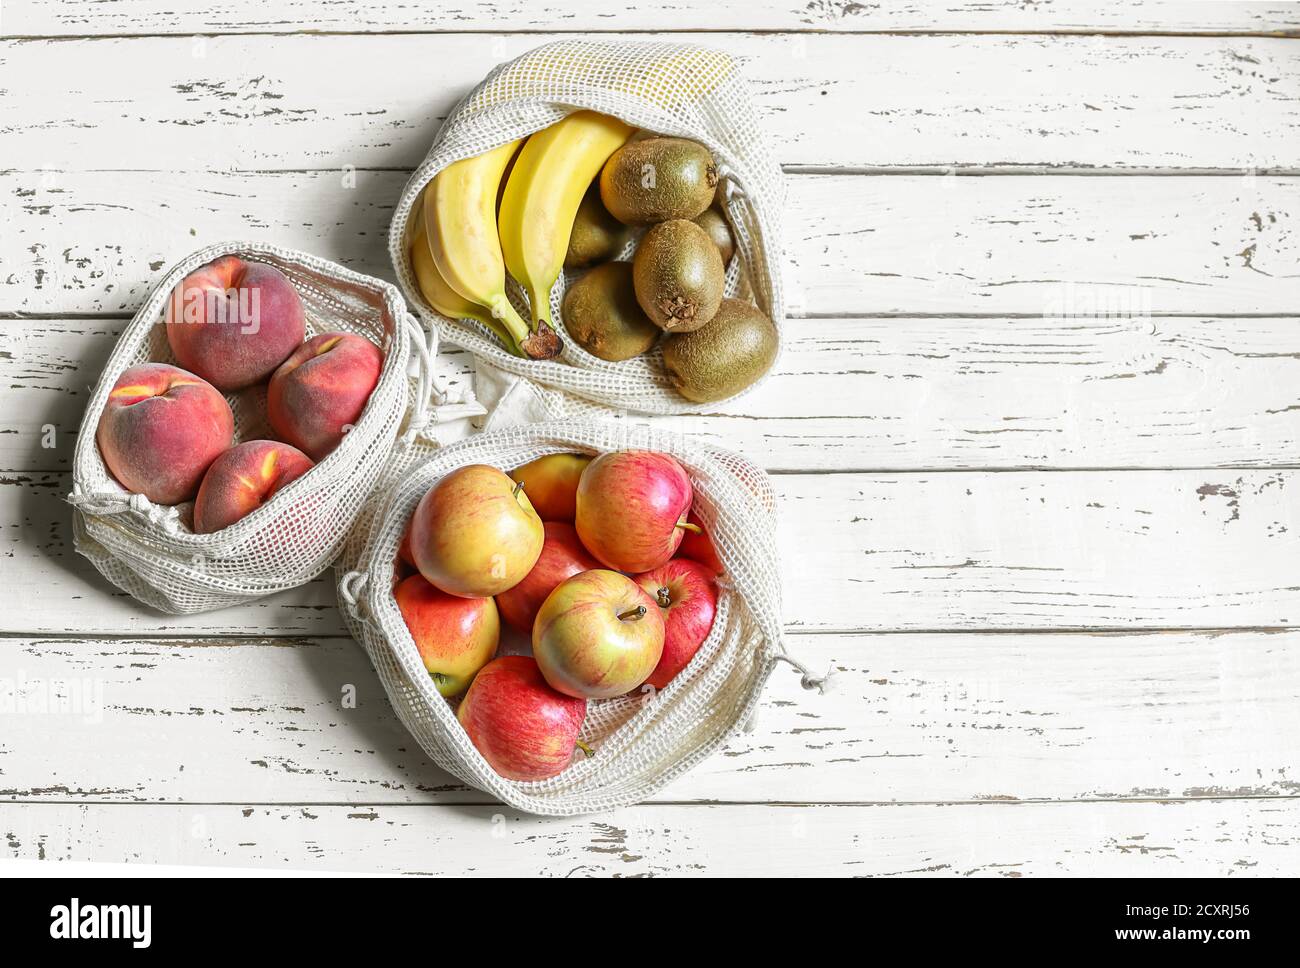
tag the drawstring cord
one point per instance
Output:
(809, 681)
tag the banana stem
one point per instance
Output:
(509, 320)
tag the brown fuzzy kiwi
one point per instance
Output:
(726, 355)
(678, 274)
(596, 236)
(657, 179)
(600, 312)
(717, 229)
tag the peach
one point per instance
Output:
(319, 392)
(243, 479)
(162, 427)
(233, 322)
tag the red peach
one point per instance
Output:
(233, 322)
(319, 392)
(243, 479)
(162, 427)
(563, 556)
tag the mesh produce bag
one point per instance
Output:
(673, 89)
(149, 551)
(643, 741)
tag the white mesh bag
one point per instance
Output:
(641, 742)
(673, 89)
(150, 552)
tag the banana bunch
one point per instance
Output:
(470, 245)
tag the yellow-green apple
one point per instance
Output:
(598, 635)
(318, 393)
(233, 322)
(688, 600)
(475, 534)
(563, 556)
(632, 508)
(243, 479)
(552, 484)
(161, 429)
(698, 546)
(455, 636)
(524, 728)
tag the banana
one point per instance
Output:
(545, 188)
(441, 296)
(460, 227)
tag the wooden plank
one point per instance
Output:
(87, 17)
(910, 718)
(258, 102)
(861, 552)
(1123, 245)
(872, 393)
(1206, 838)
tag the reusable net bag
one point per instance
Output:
(672, 89)
(149, 551)
(640, 742)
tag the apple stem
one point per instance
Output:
(519, 486)
(632, 614)
(664, 598)
(586, 750)
(688, 526)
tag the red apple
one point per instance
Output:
(697, 546)
(455, 636)
(563, 556)
(552, 484)
(475, 534)
(598, 635)
(524, 728)
(688, 599)
(233, 322)
(632, 508)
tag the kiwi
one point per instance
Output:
(657, 179)
(597, 236)
(678, 276)
(726, 355)
(717, 229)
(601, 314)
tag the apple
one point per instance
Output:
(697, 546)
(475, 534)
(598, 635)
(563, 556)
(688, 600)
(455, 636)
(632, 508)
(552, 484)
(524, 728)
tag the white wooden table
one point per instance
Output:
(1035, 439)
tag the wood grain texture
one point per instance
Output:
(861, 552)
(81, 17)
(1124, 245)
(261, 103)
(910, 718)
(876, 393)
(1220, 838)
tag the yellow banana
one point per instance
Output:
(460, 227)
(546, 185)
(441, 296)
